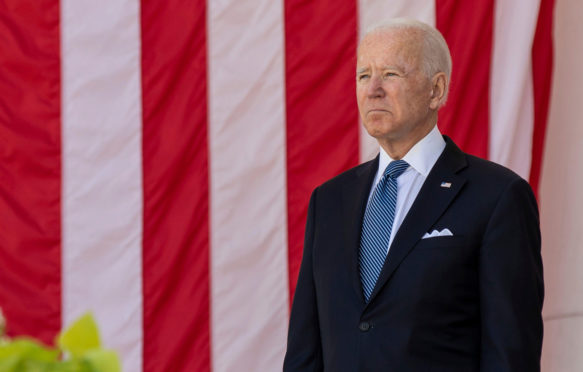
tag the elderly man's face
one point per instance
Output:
(392, 91)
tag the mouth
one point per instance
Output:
(377, 111)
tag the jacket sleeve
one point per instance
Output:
(304, 351)
(511, 284)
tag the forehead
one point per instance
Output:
(392, 45)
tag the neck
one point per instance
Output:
(398, 148)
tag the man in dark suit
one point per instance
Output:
(425, 258)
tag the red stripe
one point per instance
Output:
(176, 208)
(467, 27)
(542, 69)
(30, 168)
(322, 118)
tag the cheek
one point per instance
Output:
(412, 99)
(360, 101)
(396, 99)
(419, 102)
(360, 94)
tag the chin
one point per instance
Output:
(380, 130)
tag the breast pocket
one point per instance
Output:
(443, 256)
(439, 272)
(445, 241)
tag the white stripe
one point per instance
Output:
(249, 285)
(563, 337)
(511, 91)
(102, 189)
(375, 11)
(561, 200)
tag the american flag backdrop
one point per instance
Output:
(157, 157)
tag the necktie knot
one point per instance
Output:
(395, 168)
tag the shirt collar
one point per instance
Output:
(422, 156)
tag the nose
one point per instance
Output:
(375, 87)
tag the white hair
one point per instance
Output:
(436, 55)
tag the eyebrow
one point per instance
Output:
(386, 67)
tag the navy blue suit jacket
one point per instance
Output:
(467, 302)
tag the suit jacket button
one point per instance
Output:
(364, 326)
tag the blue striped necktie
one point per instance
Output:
(377, 225)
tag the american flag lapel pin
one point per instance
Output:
(447, 185)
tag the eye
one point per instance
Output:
(389, 74)
(362, 77)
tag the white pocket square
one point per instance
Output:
(435, 233)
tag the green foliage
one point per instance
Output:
(80, 337)
(79, 343)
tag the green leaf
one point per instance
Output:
(10, 363)
(24, 347)
(80, 341)
(80, 337)
(26, 355)
(103, 360)
(75, 365)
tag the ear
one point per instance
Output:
(438, 88)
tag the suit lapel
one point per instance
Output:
(429, 205)
(355, 196)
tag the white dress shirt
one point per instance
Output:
(421, 158)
